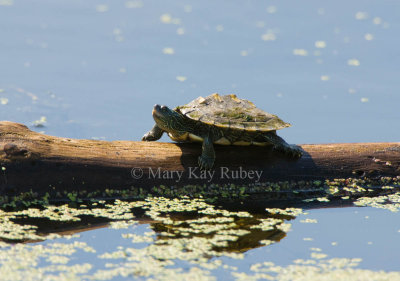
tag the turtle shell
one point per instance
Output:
(231, 112)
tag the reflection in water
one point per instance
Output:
(177, 218)
(188, 231)
(170, 219)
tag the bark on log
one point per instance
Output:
(34, 161)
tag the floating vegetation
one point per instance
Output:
(219, 28)
(181, 78)
(168, 51)
(368, 36)
(180, 31)
(353, 62)
(287, 211)
(118, 36)
(122, 224)
(352, 91)
(3, 101)
(316, 268)
(186, 238)
(168, 19)
(6, 2)
(40, 122)
(320, 44)
(309, 221)
(212, 232)
(377, 20)
(361, 15)
(20, 262)
(270, 35)
(272, 9)
(134, 4)
(389, 202)
(102, 8)
(220, 224)
(301, 191)
(300, 52)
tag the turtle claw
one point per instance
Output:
(149, 137)
(154, 134)
(205, 163)
(290, 150)
(296, 151)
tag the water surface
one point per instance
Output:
(94, 69)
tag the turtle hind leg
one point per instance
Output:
(207, 157)
(280, 145)
(154, 134)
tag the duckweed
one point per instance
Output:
(309, 221)
(389, 202)
(317, 268)
(322, 191)
(189, 230)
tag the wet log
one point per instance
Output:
(30, 161)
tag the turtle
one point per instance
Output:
(222, 120)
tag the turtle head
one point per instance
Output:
(169, 120)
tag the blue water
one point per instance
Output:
(95, 71)
(71, 51)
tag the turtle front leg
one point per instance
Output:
(154, 134)
(279, 144)
(207, 157)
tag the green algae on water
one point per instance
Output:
(190, 231)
